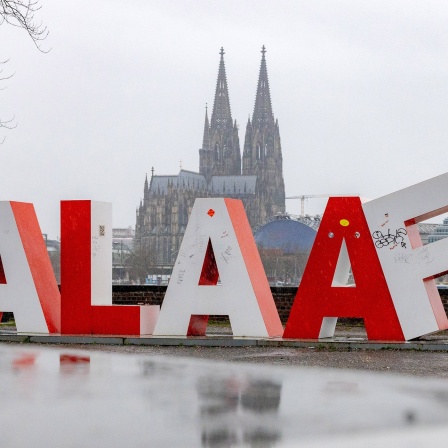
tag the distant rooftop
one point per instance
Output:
(286, 234)
(123, 232)
(228, 185)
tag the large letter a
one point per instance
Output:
(218, 243)
(322, 297)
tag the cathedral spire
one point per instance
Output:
(145, 187)
(220, 153)
(206, 137)
(263, 109)
(221, 114)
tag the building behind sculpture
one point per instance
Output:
(54, 253)
(122, 246)
(256, 178)
(439, 231)
(284, 244)
(426, 229)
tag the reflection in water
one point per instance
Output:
(74, 363)
(154, 368)
(24, 360)
(219, 438)
(261, 396)
(261, 438)
(112, 400)
(238, 410)
(233, 409)
(218, 396)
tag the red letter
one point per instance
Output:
(86, 275)
(323, 297)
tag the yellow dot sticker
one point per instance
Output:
(344, 222)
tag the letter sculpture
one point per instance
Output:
(218, 245)
(86, 275)
(28, 287)
(410, 267)
(323, 296)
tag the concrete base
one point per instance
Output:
(338, 343)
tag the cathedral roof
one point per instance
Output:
(230, 185)
(159, 184)
(186, 174)
(185, 179)
(226, 185)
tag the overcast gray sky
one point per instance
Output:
(360, 89)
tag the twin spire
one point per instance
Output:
(222, 115)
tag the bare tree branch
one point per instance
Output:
(21, 13)
(3, 78)
(6, 124)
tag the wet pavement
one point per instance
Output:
(410, 362)
(354, 355)
(57, 396)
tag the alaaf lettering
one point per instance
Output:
(394, 290)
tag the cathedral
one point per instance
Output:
(256, 178)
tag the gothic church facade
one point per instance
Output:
(256, 178)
